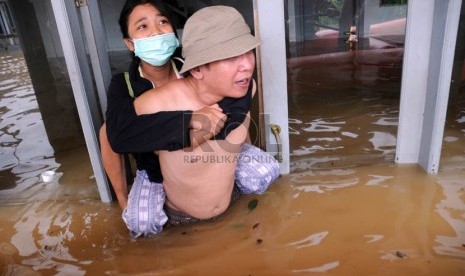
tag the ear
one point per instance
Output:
(196, 73)
(129, 44)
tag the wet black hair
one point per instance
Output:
(129, 6)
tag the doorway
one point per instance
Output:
(40, 133)
(344, 65)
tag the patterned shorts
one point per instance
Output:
(145, 216)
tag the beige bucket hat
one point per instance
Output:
(215, 33)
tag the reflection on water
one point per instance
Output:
(352, 119)
(389, 220)
(43, 235)
(451, 181)
(345, 209)
(25, 150)
(314, 239)
(452, 209)
(29, 166)
(42, 240)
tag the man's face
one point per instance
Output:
(230, 77)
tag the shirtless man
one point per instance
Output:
(218, 52)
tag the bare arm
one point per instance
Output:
(169, 97)
(205, 122)
(114, 167)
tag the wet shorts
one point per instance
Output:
(255, 171)
(144, 214)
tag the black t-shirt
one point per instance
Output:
(142, 135)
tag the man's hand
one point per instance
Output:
(206, 123)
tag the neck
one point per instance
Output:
(158, 75)
(206, 95)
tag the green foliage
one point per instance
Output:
(337, 4)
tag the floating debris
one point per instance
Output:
(253, 204)
(259, 241)
(401, 255)
(47, 176)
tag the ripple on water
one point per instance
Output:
(312, 240)
(378, 180)
(450, 139)
(41, 239)
(323, 268)
(7, 249)
(26, 151)
(452, 209)
(315, 181)
(384, 142)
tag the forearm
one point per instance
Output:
(113, 164)
(117, 178)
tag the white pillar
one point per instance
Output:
(270, 29)
(428, 59)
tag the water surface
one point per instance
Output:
(345, 208)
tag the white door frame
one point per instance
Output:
(272, 71)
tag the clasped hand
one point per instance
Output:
(206, 123)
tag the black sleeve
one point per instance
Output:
(129, 133)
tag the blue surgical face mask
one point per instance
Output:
(156, 50)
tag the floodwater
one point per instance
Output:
(345, 209)
(25, 149)
(30, 168)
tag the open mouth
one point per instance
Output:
(243, 82)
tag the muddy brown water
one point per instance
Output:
(345, 209)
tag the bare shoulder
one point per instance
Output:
(173, 96)
(157, 99)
